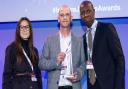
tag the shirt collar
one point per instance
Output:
(94, 25)
(69, 36)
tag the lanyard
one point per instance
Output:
(68, 47)
(29, 61)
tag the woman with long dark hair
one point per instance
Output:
(21, 60)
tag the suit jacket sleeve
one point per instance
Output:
(8, 69)
(45, 62)
(117, 53)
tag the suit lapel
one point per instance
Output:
(85, 46)
(73, 47)
(57, 43)
(96, 38)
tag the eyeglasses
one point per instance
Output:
(25, 27)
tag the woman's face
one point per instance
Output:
(24, 30)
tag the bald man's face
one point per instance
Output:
(64, 17)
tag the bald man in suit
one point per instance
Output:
(63, 55)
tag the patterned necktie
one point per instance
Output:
(91, 72)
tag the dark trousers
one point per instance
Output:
(95, 86)
(65, 87)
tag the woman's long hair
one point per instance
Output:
(18, 39)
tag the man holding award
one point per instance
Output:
(63, 55)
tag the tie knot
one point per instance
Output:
(89, 29)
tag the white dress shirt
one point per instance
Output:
(65, 46)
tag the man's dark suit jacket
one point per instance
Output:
(107, 57)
